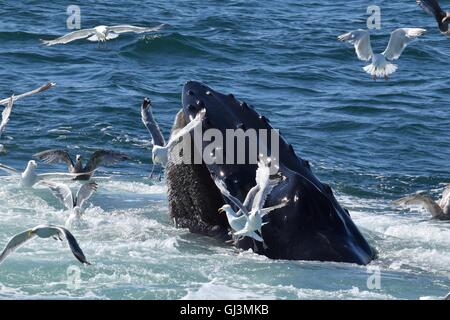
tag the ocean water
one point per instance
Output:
(372, 141)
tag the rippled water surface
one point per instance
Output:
(372, 141)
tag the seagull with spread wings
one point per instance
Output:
(381, 65)
(438, 209)
(248, 219)
(98, 158)
(99, 33)
(73, 203)
(160, 151)
(442, 17)
(29, 177)
(44, 231)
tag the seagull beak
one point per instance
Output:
(30, 233)
(220, 211)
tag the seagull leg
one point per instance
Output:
(386, 78)
(374, 78)
(151, 173)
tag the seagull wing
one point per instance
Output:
(15, 243)
(75, 35)
(62, 193)
(361, 41)
(433, 8)
(5, 115)
(151, 124)
(268, 210)
(223, 189)
(9, 170)
(128, 28)
(248, 202)
(421, 200)
(55, 156)
(400, 38)
(265, 184)
(73, 244)
(84, 193)
(104, 157)
(29, 93)
(187, 129)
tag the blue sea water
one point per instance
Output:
(372, 141)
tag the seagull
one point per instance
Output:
(9, 102)
(44, 231)
(99, 33)
(99, 157)
(5, 117)
(72, 202)
(29, 177)
(160, 147)
(439, 210)
(248, 219)
(45, 87)
(442, 17)
(381, 65)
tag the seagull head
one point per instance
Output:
(78, 158)
(32, 164)
(226, 209)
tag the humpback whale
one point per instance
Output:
(311, 226)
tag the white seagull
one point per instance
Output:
(29, 177)
(44, 231)
(9, 102)
(438, 209)
(160, 147)
(248, 219)
(99, 33)
(72, 202)
(381, 65)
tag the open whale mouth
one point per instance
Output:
(313, 226)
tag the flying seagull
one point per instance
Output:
(98, 158)
(433, 8)
(5, 115)
(9, 102)
(438, 209)
(99, 33)
(160, 147)
(248, 219)
(29, 177)
(381, 65)
(29, 93)
(72, 202)
(44, 231)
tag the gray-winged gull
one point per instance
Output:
(44, 231)
(248, 219)
(160, 147)
(73, 203)
(438, 209)
(381, 65)
(99, 33)
(98, 158)
(29, 177)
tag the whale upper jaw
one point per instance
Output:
(313, 226)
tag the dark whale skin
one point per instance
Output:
(313, 226)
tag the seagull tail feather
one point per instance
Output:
(380, 72)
